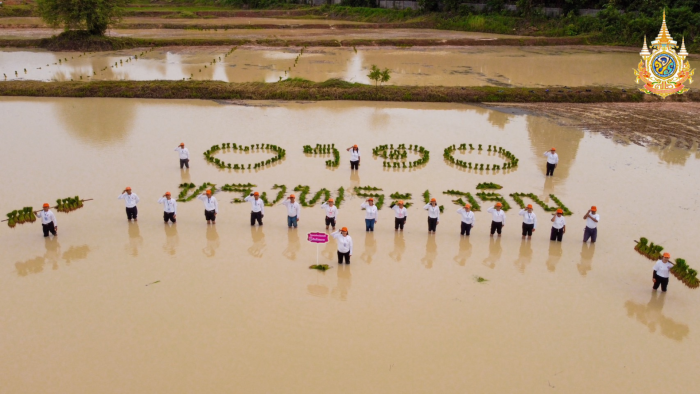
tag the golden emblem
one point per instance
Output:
(664, 71)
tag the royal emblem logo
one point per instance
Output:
(664, 71)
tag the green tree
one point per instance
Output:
(379, 76)
(95, 16)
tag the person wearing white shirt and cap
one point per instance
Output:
(184, 155)
(400, 215)
(370, 214)
(169, 208)
(211, 206)
(591, 231)
(468, 219)
(433, 214)
(354, 157)
(344, 245)
(293, 211)
(552, 161)
(331, 212)
(498, 218)
(48, 221)
(529, 221)
(130, 199)
(559, 226)
(661, 272)
(257, 211)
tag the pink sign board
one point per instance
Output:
(317, 238)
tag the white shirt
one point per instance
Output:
(433, 211)
(210, 203)
(129, 199)
(590, 223)
(497, 216)
(354, 155)
(528, 218)
(370, 211)
(331, 212)
(662, 269)
(467, 216)
(169, 206)
(344, 243)
(399, 212)
(559, 222)
(47, 217)
(258, 205)
(184, 153)
(293, 208)
(552, 158)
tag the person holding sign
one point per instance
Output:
(293, 211)
(344, 241)
(331, 212)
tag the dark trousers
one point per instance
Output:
(399, 223)
(660, 281)
(255, 216)
(527, 229)
(184, 163)
(330, 222)
(169, 216)
(466, 229)
(591, 233)
(131, 213)
(432, 224)
(369, 224)
(210, 215)
(345, 255)
(557, 234)
(550, 169)
(496, 226)
(354, 165)
(48, 228)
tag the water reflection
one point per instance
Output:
(76, 253)
(86, 119)
(465, 251)
(671, 154)
(651, 315)
(258, 236)
(587, 252)
(399, 246)
(51, 256)
(370, 248)
(135, 239)
(494, 252)
(544, 135)
(355, 178)
(317, 289)
(340, 291)
(171, 239)
(185, 175)
(524, 255)
(555, 252)
(212, 241)
(293, 244)
(330, 249)
(430, 252)
(499, 118)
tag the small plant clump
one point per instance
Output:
(685, 274)
(485, 196)
(480, 279)
(366, 191)
(472, 201)
(68, 204)
(21, 216)
(340, 198)
(488, 185)
(649, 250)
(244, 188)
(304, 190)
(510, 160)
(280, 194)
(561, 205)
(208, 154)
(398, 196)
(320, 267)
(518, 199)
(324, 150)
(186, 187)
(397, 157)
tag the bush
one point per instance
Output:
(95, 16)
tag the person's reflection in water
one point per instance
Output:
(399, 246)
(185, 175)
(76, 253)
(317, 289)
(494, 252)
(555, 252)
(651, 315)
(171, 239)
(587, 251)
(524, 255)
(293, 244)
(212, 241)
(36, 265)
(547, 189)
(370, 247)
(135, 239)
(465, 251)
(430, 252)
(340, 291)
(53, 252)
(258, 247)
(354, 179)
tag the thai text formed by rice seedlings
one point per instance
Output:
(367, 192)
(561, 205)
(470, 199)
(320, 267)
(280, 194)
(426, 198)
(304, 190)
(518, 197)
(398, 157)
(488, 185)
(183, 197)
(486, 196)
(327, 149)
(341, 197)
(244, 188)
(510, 160)
(230, 146)
(395, 196)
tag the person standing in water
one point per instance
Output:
(130, 199)
(552, 161)
(48, 221)
(211, 206)
(257, 211)
(498, 218)
(331, 212)
(354, 157)
(591, 231)
(661, 272)
(184, 155)
(529, 221)
(370, 214)
(344, 245)
(169, 208)
(400, 215)
(433, 214)
(559, 226)
(293, 211)
(468, 219)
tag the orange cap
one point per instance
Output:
(46, 205)
(344, 229)
(167, 193)
(667, 255)
(330, 200)
(182, 144)
(401, 202)
(467, 206)
(554, 148)
(354, 146)
(128, 188)
(208, 191)
(292, 196)
(529, 206)
(560, 210)
(370, 199)
(433, 200)
(256, 194)
(498, 204)
(593, 208)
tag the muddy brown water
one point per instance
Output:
(235, 308)
(37, 22)
(474, 66)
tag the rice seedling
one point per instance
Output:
(472, 201)
(649, 250)
(324, 150)
(480, 279)
(561, 205)
(691, 279)
(449, 151)
(208, 155)
(320, 267)
(397, 157)
(341, 197)
(186, 187)
(490, 196)
(518, 199)
(244, 188)
(367, 191)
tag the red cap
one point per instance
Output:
(354, 146)
(467, 206)
(593, 208)
(167, 193)
(554, 148)
(401, 202)
(344, 229)
(46, 205)
(560, 210)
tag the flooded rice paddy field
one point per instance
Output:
(29, 22)
(111, 307)
(470, 66)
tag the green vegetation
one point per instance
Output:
(320, 267)
(490, 196)
(187, 187)
(91, 16)
(488, 185)
(244, 188)
(561, 205)
(68, 204)
(379, 76)
(229, 147)
(341, 197)
(426, 199)
(479, 279)
(304, 190)
(681, 270)
(396, 196)
(400, 154)
(472, 201)
(511, 160)
(327, 149)
(651, 251)
(368, 191)
(21, 216)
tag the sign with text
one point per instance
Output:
(317, 238)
